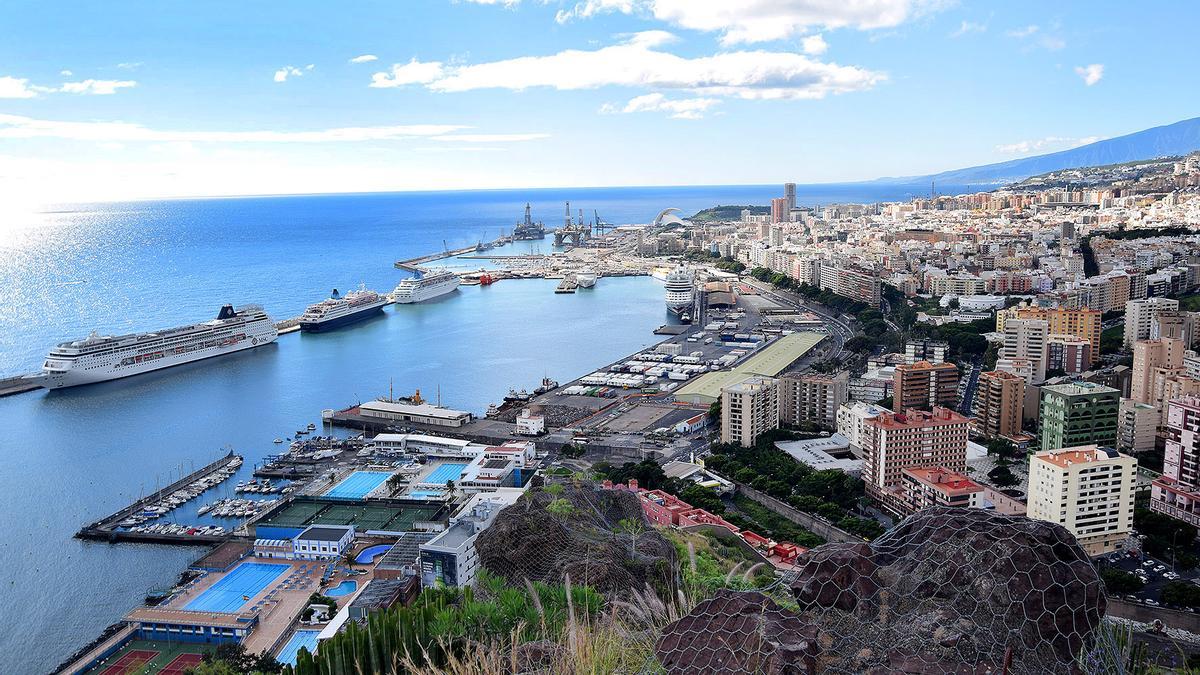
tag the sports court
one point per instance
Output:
(140, 657)
(235, 589)
(301, 638)
(359, 484)
(291, 518)
(444, 473)
(130, 662)
(181, 664)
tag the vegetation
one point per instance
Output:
(703, 498)
(1119, 581)
(1112, 339)
(727, 213)
(649, 475)
(318, 599)
(232, 658)
(1002, 476)
(830, 494)
(711, 562)
(572, 451)
(445, 623)
(1181, 594)
(1166, 538)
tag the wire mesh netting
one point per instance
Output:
(949, 590)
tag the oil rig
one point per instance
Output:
(572, 232)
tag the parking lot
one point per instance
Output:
(1155, 574)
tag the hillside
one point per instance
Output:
(1172, 139)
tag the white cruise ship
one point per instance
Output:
(681, 291)
(585, 278)
(98, 358)
(340, 310)
(428, 286)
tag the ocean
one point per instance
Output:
(71, 456)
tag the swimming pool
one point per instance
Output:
(245, 581)
(301, 638)
(370, 553)
(345, 588)
(359, 484)
(445, 472)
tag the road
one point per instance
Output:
(839, 331)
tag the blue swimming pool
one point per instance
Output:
(445, 472)
(359, 484)
(301, 638)
(370, 553)
(229, 594)
(345, 588)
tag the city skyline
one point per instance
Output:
(195, 101)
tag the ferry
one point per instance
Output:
(98, 358)
(585, 278)
(339, 310)
(429, 285)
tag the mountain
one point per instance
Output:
(1171, 139)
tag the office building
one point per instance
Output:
(812, 398)
(1176, 492)
(924, 385)
(999, 401)
(1026, 339)
(1078, 413)
(1139, 317)
(789, 195)
(1137, 426)
(748, 409)
(1087, 489)
(915, 438)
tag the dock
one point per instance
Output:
(105, 529)
(413, 264)
(567, 285)
(17, 385)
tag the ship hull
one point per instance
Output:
(77, 377)
(326, 325)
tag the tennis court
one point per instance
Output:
(130, 662)
(445, 473)
(293, 517)
(181, 664)
(236, 589)
(301, 638)
(359, 484)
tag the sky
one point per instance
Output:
(131, 99)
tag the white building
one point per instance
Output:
(1139, 317)
(852, 419)
(450, 558)
(530, 424)
(322, 542)
(424, 413)
(1087, 489)
(1027, 339)
(1137, 425)
(422, 444)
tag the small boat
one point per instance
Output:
(278, 440)
(312, 427)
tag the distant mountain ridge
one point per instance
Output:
(1171, 139)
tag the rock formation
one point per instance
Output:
(949, 590)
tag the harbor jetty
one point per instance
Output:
(17, 385)
(108, 528)
(414, 264)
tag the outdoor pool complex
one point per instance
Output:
(301, 638)
(246, 580)
(345, 588)
(359, 484)
(445, 473)
(370, 553)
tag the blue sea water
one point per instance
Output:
(71, 456)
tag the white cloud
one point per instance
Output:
(1091, 73)
(1023, 32)
(814, 45)
(763, 20)
(365, 58)
(65, 73)
(1034, 36)
(967, 27)
(285, 72)
(413, 72)
(16, 126)
(96, 87)
(682, 109)
(134, 65)
(15, 87)
(1049, 143)
(637, 63)
(489, 138)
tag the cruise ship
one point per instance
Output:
(681, 291)
(98, 358)
(585, 278)
(339, 310)
(428, 286)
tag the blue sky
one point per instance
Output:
(121, 99)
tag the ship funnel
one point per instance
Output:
(226, 312)
(335, 295)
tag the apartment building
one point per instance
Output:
(1087, 489)
(1177, 492)
(1139, 317)
(812, 398)
(915, 438)
(924, 385)
(748, 409)
(1078, 413)
(999, 402)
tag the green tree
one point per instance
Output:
(1181, 593)
(633, 527)
(702, 498)
(560, 508)
(1119, 581)
(1002, 476)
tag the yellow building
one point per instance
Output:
(1083, 323)
(1086, 489)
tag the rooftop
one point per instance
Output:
(1079, 388)
(325, 532)
(943, 480)
(1083, 454)
(768, 361)
(917, 418)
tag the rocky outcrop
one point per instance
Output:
(949, 590)
(529, 540)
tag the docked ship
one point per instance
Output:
(98, 358)
(528, 230)
(681, 292)
(427, 286)
(339, 310)
(585, 278)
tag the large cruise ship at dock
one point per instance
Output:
(427, 286)
(339, 310)
(681, 292)
(98, 358)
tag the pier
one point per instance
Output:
(413, 264)
(17, 385)
(105, 529)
